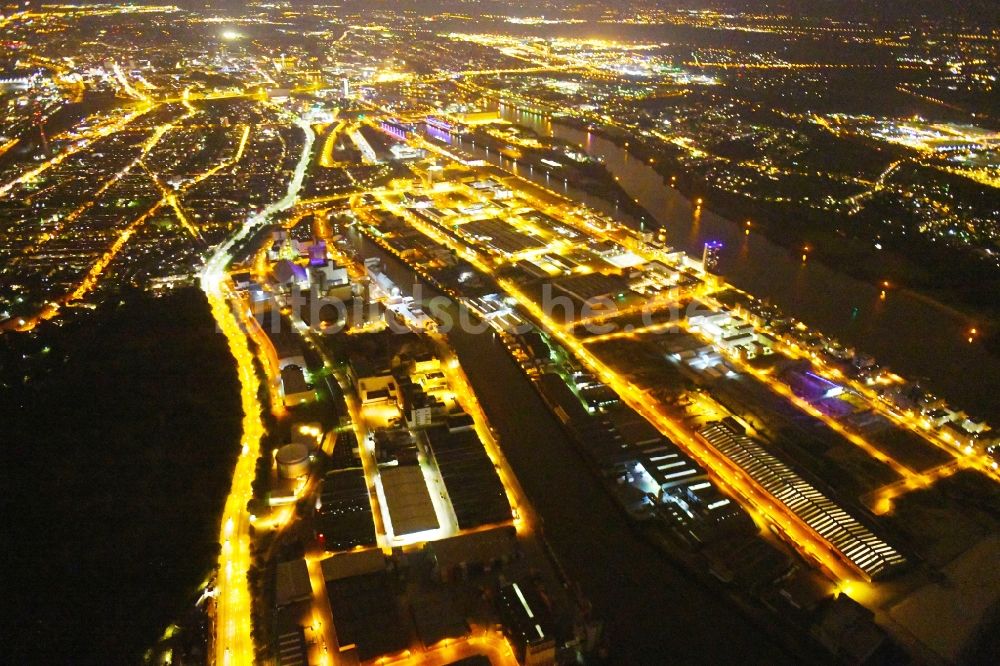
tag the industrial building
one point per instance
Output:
(293, 460)
(365, 609)
(854, 541)
(292, 583)
(343, 510)
(473, 485)
(408, 501)
(294, 389)
(527, 624)
(290, 645)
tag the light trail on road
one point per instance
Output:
(7, 146)
(326, 155)
(233, 642)
(73, 149)
(98, 267)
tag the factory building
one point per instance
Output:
(854, 541)
(294, 387)
(527, 624)
(293, 460)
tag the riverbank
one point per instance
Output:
(937, 352)
(945, 276)
(586, 174)
(651, 604)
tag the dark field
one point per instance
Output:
(124, 446)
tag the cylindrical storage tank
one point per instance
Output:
(293, 461)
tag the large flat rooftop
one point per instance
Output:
(409, 502)
(852, 539)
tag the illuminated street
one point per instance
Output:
(466, 333)
(232, 614)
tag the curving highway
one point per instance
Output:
(233, 643)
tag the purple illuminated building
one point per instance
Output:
(710, 256)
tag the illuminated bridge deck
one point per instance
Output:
(853, 540)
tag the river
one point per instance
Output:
(915, 336)
(654, 611)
